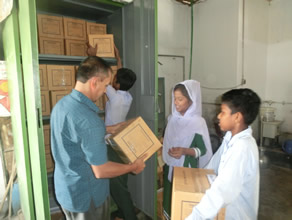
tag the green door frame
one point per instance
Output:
(26, 113)
(11, 48)
(30, 63)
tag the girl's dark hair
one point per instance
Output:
(245, 101)
(92, 66)
(183, 90)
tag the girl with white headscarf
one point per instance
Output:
(186, 141)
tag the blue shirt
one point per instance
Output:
(77, 142)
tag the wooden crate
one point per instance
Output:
(51, 46)
(74, 29)
(43, 77)
(45, 99)
(133, 140)
(160, 204)
(61, 77)
(57, 95)
(95, 28)
(47, 132)
(49, 162)
(50, 26)
(75, 47)
(105, 44)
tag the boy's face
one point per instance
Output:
(227, 120)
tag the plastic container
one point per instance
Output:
(287, 146)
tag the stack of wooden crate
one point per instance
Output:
(68, 36)
(51, 34)
(56, 81)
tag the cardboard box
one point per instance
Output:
(74, 29)
(47, 132)
(105, 44)
(61, 77)
(45, 99)
(57, 95)
(75, 47)
(160, 203)
(134, 140)
(94, 28)
(50, 26)
(50, 163)
(189, 186)
(51, 46)
(43, 77)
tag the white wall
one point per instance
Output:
(224, 51)
(173, 39)
(279, 61)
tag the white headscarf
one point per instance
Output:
(181, 129)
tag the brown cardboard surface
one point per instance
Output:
(47, 134)
(189, 186)
(61, 77)
(57, 95)
(50, 26)
(43, 77)
(105, 44)
(134, 140)
(74, 29)
(49, 162)
(75, 47)
(51, 46)
(95, 28)
(45, 99)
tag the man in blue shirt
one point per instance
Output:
(78, 147)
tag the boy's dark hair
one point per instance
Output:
(245, 101)
(183, 90)
(126, 78)
(92, 66)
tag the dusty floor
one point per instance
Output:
(275, 185)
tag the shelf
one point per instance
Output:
(62, 59)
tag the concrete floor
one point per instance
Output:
(275, 185)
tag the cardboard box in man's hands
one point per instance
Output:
(133, 140)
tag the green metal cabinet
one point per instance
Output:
(135, 28)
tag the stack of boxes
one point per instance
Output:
(68, 36)
(59, 35)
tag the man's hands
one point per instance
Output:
(139, 164)
(91, 51)
(117, 56)
(113, 128)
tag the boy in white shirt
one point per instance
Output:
(236, 162)
(116, 110)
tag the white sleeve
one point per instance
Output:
(110, 91)
(226, 187)
(215, 160)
